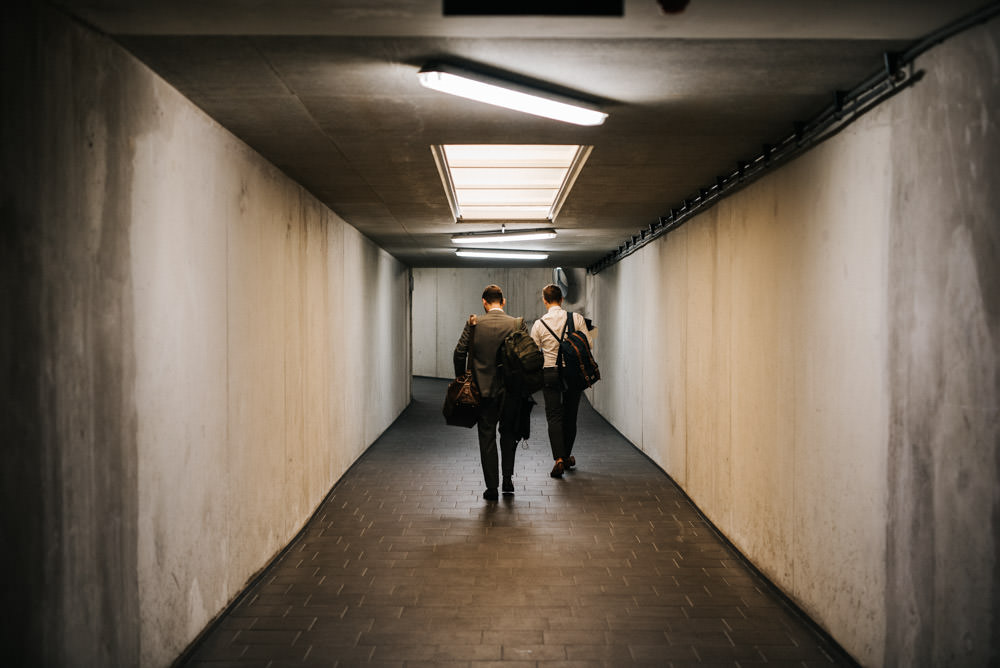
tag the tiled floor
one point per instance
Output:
(406, 565)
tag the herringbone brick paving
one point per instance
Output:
(406, 565)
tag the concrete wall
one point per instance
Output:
(444, 298)
(943, 572)
(815, 361)
(194, 351)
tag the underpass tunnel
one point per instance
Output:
(197, 350)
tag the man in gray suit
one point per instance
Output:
(487, 332)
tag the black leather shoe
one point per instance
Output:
(491, 494)
(570, 462)
(508, 486)
(558, 469)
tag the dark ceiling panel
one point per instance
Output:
(533, 7)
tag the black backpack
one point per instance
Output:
(575, 361)
(519, 362)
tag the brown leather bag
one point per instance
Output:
(462, 402)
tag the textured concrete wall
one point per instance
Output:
(194, 351)
(444, 298)
(827, 383)
(943, 597)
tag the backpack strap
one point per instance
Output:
(468, 353)
(558, 338)
(570, 323)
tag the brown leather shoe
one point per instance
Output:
(558, 469)
(570, 462)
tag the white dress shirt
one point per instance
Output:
(556, 320)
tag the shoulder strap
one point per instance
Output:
(545, 324)
(557, 338)
(468, 353)
(570, 322)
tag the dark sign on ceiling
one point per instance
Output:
(534, 8)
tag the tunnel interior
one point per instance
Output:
(198, 342)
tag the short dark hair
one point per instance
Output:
(552, 294)
(493, 294)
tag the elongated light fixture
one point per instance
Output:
(500, 93)
(502, 236)
(501, 255)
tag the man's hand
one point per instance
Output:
(472, 319)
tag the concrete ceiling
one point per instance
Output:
(327, 91)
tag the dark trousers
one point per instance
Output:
(496, 410)
(561, 408)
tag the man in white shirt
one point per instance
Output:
(561, 403)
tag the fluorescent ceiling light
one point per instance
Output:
(484, 88)
(508, 181)
(502, 255)
(503, 235)
(504, 212)
(511, 155)
(500, 197)
(509, 178)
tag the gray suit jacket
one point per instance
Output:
(491, 329)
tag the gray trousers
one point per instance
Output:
(561, 408)
(495, 410)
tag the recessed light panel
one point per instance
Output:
(508, 181)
